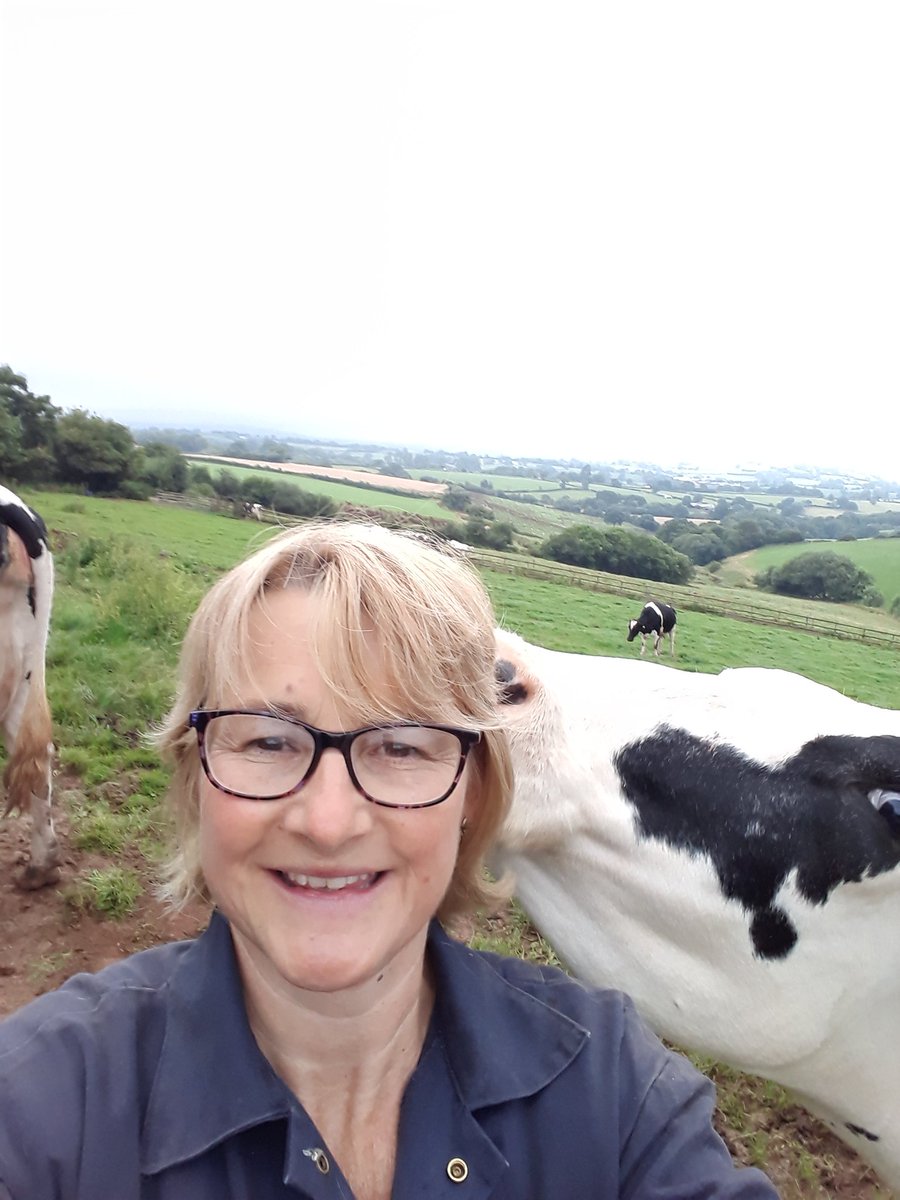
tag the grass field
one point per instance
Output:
(879, 556)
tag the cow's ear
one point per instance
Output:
(512, 688)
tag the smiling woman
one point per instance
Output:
(340, 771)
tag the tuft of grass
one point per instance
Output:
(112, 892)
(513, 935)
(99, 829)
(42, 968)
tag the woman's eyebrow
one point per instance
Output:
(277, 709)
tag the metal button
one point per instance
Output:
(457, 1169)
(320, 1158)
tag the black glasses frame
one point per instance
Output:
(324, 740)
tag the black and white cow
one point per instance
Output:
(26, 595)
(725, 848)
(656, 619)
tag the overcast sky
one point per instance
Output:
(597, 230)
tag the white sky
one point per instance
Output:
(660, 230)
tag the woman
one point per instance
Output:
(338, 776)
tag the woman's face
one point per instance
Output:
(387, 870)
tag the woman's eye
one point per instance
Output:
(400, 750)
(265, 745)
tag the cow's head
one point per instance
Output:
(632, 630)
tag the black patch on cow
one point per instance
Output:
(31, 600)
(772, 932)
(758, 823)
(28, 525)
(512, 690)
(870, 1137)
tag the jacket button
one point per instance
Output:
(320, 1158)
(457, 1169)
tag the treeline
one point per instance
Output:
(42, 443)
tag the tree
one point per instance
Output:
(456, 500)
(162, 467)
(618, 551)
(27, 429)
(494, 535)
(94, 452)
(821, 576)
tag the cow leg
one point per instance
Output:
(28, 784)
(656, 640)
(643, 642)
(43, 869)
(672, 642)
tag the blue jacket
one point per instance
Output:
(144, 1080)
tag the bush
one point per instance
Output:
(821, 576)
(618, 551)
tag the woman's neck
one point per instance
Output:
(359, 1038)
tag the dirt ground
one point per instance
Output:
(43, 941)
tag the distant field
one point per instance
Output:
(879, 556)
(345, 492)
(346, 474)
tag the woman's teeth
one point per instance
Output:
(333, 883)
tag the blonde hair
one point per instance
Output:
(435, 632)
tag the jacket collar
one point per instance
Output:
(212, 1080)
(502, 1042)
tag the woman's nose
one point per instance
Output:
(328, 809)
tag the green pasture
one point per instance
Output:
(569, 618)
(199, 542)
(879, 556)
(341, 493)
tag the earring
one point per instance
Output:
(463, 826)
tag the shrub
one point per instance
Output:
(618, 551)
(821, 576)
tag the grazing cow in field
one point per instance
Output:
(725, 848)
(253, 510)
(656, 619)
(26, 594)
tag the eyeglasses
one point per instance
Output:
(259, 756)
